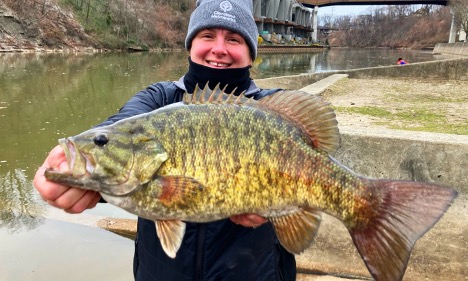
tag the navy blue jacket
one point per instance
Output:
(213, 251)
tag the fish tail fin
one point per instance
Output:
(407, 211)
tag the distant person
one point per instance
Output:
(401, 61)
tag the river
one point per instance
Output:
(44, 97)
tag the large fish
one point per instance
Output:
(215, 155)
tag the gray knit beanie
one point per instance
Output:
(235, 15)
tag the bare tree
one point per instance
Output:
(26, 10)
(392, 26)
(460, 10)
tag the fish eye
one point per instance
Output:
(100, 140)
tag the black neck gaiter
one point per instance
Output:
(232, 77)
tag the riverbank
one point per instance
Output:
(268, 49)
(12, 49)
(261, 49)
(428, 105)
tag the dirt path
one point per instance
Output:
(422, 105)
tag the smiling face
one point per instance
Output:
(220, 48)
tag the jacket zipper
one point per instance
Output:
(200, 252)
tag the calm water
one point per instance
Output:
(44, 97)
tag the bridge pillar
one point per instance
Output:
(280, 21)
(257, 5)
(453, 29)
(315, 24)
(281, 16)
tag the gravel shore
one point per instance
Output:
(421, 105)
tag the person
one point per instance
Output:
(222, 45)
(401, 61)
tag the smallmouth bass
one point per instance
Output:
(216, 155)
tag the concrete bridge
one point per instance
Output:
(296, 20)
(324, 3)
(283, 20)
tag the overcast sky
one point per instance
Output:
(351, 10)
(344, 10)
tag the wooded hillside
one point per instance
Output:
(149, 24)
(398, 26)
(111, 24)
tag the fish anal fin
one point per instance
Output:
(310, 112)
(407, 211)
(178, 190)
(170, 234)
(296, 231)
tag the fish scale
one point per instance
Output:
(256, 168)
(217, 155)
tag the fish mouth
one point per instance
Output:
(79, 164)
(80, 168)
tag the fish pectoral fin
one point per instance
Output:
(178, 190)
(297, 231)
(170, 234)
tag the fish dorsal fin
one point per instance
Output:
(296, 231)
(170, 234)
(311, 113)
(215, 96)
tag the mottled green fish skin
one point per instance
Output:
(250, 161)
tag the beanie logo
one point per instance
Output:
(226, 6)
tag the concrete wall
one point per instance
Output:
(460, 48)
(462, 35)
(450, 69)
(419, 156)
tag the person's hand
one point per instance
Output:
(70, 199)
(248, 220)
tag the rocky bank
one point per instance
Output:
(53, 29)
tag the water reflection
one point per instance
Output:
(57, 250)
(48, 96)
(341, 59)
(19, 204)
(272, 65)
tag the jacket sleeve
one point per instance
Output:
(144, 101)
(265, 92)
